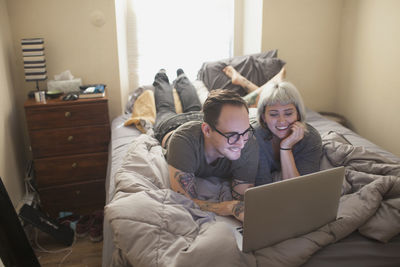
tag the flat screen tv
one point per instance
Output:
(15, 249)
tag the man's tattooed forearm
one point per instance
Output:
(208, 206)
(235, 194)
(187, 182)
(238, 208)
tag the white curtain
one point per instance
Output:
(174, 34)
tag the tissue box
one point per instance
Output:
(66, 86)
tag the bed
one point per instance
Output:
(147, 224)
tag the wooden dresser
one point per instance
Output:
(69, 141)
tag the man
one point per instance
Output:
(217, 142)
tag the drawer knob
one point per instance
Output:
(70, 138)
(74, 165)
(67, 114)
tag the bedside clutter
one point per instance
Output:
(69, 141)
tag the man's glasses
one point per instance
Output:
(233, 138)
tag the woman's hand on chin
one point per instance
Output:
(297, 133)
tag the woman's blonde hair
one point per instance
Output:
(283, 93)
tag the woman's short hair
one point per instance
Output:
(216, 100)
(283, 93)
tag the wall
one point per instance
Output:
(11, 139)
(369, 88)
(79, 36)
(306, 33)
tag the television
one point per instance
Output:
(15, 249)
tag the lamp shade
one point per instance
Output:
(34, 59)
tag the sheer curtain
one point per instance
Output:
(178, 34)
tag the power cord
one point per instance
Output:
(41, 249)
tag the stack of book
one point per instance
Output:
(92, 91)
(34, 60)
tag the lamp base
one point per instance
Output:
(31, 94)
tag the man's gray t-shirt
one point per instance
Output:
(186, 153)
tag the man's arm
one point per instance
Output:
(238, 189)
(184, 183)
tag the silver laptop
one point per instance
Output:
(290, 208)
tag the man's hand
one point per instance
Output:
(226, 208)
(238, 210)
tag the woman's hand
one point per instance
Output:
(297, 134)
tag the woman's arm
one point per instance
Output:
(307, 156)
(288, 164)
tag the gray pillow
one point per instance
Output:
(257, 68)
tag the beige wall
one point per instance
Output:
(80, 36)
(306, 34)
(12, 158)
(369, 89)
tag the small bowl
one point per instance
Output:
(54, 93)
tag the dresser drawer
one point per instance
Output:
(58, 171)
(82, 198)
(45, 117)
(67, 141)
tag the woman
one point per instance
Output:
(289, 147)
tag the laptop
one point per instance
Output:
(289, 208)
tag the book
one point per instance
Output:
(94, 91)
(92, 95)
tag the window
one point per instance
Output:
(181, 34)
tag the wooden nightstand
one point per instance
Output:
(69, 141)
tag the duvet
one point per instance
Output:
(154, 226)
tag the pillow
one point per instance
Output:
(144, 109)
(133, 96)
(257, 68)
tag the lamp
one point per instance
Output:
(34, 60)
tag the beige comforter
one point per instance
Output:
(154, 226)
